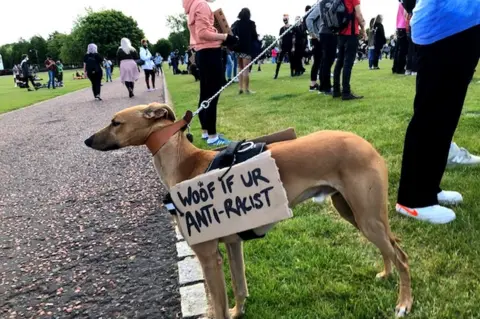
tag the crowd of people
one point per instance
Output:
(422, 46)
(25, 73)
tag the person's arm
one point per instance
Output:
(254, 31)
(361, 20)
(203, 25)
(311, 18)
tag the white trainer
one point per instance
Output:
(449, 198)
(461, 156)
(435, 214)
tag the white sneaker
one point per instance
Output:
(449, 198)
(408, 72)
(414, 73)
(435, 214)
(460, 156)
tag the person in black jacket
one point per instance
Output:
(92, 66)
(286, 47)
(27, 73)
(246, 30)
(379, 40)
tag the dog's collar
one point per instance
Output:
(157, 139)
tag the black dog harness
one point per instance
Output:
(234, 153)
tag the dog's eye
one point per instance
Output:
(114, 123)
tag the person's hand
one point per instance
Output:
(363, 33)
(230, 40)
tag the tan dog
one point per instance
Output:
(326, 163)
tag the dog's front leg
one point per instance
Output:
(212, 263)
(239, 281)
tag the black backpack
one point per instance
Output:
(91, 64)
(335, 15)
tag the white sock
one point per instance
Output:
(212, 140)
(204, 135)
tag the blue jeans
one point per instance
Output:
(108, 74)
(235, 63)
(51, 79)
(371, 55)
(229, 66)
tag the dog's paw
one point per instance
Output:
(382, 275)
(236, 313)
(403, 309)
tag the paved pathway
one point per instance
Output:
(81, 232)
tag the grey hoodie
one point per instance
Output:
(315, 23)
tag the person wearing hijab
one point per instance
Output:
(207, 42)
(92, 66)
(126, 57)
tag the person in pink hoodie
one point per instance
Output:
(207, 42)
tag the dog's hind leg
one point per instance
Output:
(239, 281)
(343, 208)
(212, 262)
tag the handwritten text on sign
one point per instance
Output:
(250, 195)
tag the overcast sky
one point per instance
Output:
(28, 18)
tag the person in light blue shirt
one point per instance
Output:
(158, 63)
(447, 35)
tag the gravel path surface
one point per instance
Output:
(82, 234)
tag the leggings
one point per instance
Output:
(96, 79)
(147, 76)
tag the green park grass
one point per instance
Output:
(12, 98)
(316, 265)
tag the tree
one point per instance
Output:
(180, 35)
(268, 39)
(164, 47)
(72, 50)
(55, 43)
(7, 56)
(105, 29)
(38, 49)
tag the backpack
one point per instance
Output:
(91, 64)
(335, 15)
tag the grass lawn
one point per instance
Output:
(316, 265)
(12, 98)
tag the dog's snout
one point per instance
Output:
(89, 141)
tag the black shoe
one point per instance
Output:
(336, 94)
(350, 96)
(313, 88)
(275, 77)
(98, 98)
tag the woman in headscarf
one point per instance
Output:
(126, 57)
(207, 43)
(92, 66)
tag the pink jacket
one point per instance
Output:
(401, 22)
(203, 35)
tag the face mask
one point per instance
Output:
(211, 1)
(145, 46)
(285, 21)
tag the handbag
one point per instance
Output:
(140, 62)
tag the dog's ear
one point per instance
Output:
(159, 111)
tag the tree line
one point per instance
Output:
(104, 28)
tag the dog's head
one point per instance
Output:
(131, 127)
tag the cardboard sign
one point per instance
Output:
(250, 195)
(221, 23)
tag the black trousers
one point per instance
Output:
(401, 52)
(317, 59)
(412, 64)
(212, 77)
(443, 76)
(96, 79)
(280, 59)
(347, 49)
(149, 73)
(328, 43)
(376, 56)
(29, 78)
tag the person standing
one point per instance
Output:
(245, 29)
(148, 65)
(347, 49)
(16, 73)
(129, 73)
(92, 66)
(379, 40)
(299, 45)
(401, 48)
(411, 67)
(442, 67)
(50, 65)
(59, 73)
(158, 63)
(207, 42)
(286, 47)
(107, 64)
(314, 23)
(27, 72)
